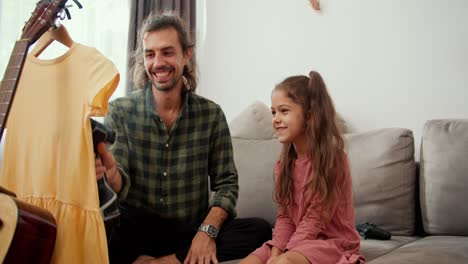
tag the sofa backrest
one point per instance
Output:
(444, 177)
(255, 161)
(383, 173)
(256, 151)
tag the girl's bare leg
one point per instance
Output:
(290, 257)
(251, 259)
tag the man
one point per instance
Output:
(172, 144)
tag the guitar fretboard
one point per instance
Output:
(10, 80)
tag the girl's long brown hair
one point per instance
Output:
(324, 139)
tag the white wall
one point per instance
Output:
(387, 63)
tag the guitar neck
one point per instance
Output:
(11, 79)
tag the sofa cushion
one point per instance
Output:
(429, 250)
(255, 161)
(372, 248)
(383, 173)
(253, 123)
(256, 151)
(444, 177)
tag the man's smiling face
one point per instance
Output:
(164, 59)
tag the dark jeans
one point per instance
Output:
(141, 233)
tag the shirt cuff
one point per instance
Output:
(225, 204)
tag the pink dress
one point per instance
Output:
(334, 241)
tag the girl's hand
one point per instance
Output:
(274, 254)
(272, 260)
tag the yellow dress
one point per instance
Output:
(48, 156)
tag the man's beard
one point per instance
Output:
(166, 87)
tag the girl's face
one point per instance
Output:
(288, 119)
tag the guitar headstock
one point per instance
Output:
(43, 18)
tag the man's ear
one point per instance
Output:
(188, 55)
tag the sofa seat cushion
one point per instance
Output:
(383, 173)
(444, 177)
(372, 248)
(429, 250)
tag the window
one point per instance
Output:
(101, 24)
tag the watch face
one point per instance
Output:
(209, 229)
(212, 231)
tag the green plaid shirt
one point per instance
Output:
(169, 171)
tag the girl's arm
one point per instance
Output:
(284, 228)
(310, 225)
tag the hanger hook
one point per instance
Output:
(78, 4)
(67, 12)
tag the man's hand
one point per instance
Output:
(202, 250)
(106, 163)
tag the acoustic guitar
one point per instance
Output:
(27, 232)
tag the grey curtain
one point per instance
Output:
(139, 9)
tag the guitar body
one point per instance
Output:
(27, 233)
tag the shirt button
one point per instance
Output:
(161, 200)
(167, 145)
(165, 173)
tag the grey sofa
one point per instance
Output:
(424, 205)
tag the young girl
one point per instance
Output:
(315, 221)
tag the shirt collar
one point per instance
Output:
(149, 102)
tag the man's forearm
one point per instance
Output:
(216, 217)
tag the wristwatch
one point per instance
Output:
(211, 230)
